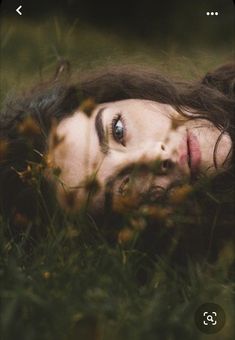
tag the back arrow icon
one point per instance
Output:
(18, 10)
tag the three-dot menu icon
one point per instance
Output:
(212, 13)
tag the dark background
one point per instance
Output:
(181, 20)
(175, 37)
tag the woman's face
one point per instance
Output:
(129, 137)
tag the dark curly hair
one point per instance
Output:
(212, 97)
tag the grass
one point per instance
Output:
(30, 51)
(73, 282)
(69, 287)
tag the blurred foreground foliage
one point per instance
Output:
(132, 274)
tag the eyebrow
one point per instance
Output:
(99, 127)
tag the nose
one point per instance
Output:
(166, 165)
(143, 170)
(152, 153)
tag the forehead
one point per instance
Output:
(72, 151)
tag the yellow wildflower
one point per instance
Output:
(88, 106)
(156, 212)
(125, 204)
(29, 127)
(46, 275)
(138, 223)
(25, 175)
(125, 235)
(180, 194)
(72, 232)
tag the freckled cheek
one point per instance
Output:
(105, 170)
(113, 164)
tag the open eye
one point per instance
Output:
(118, 130)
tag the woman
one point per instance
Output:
(144, 135)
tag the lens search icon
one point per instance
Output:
(210, 318)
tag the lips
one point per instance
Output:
(193, 152)
(190, 153)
